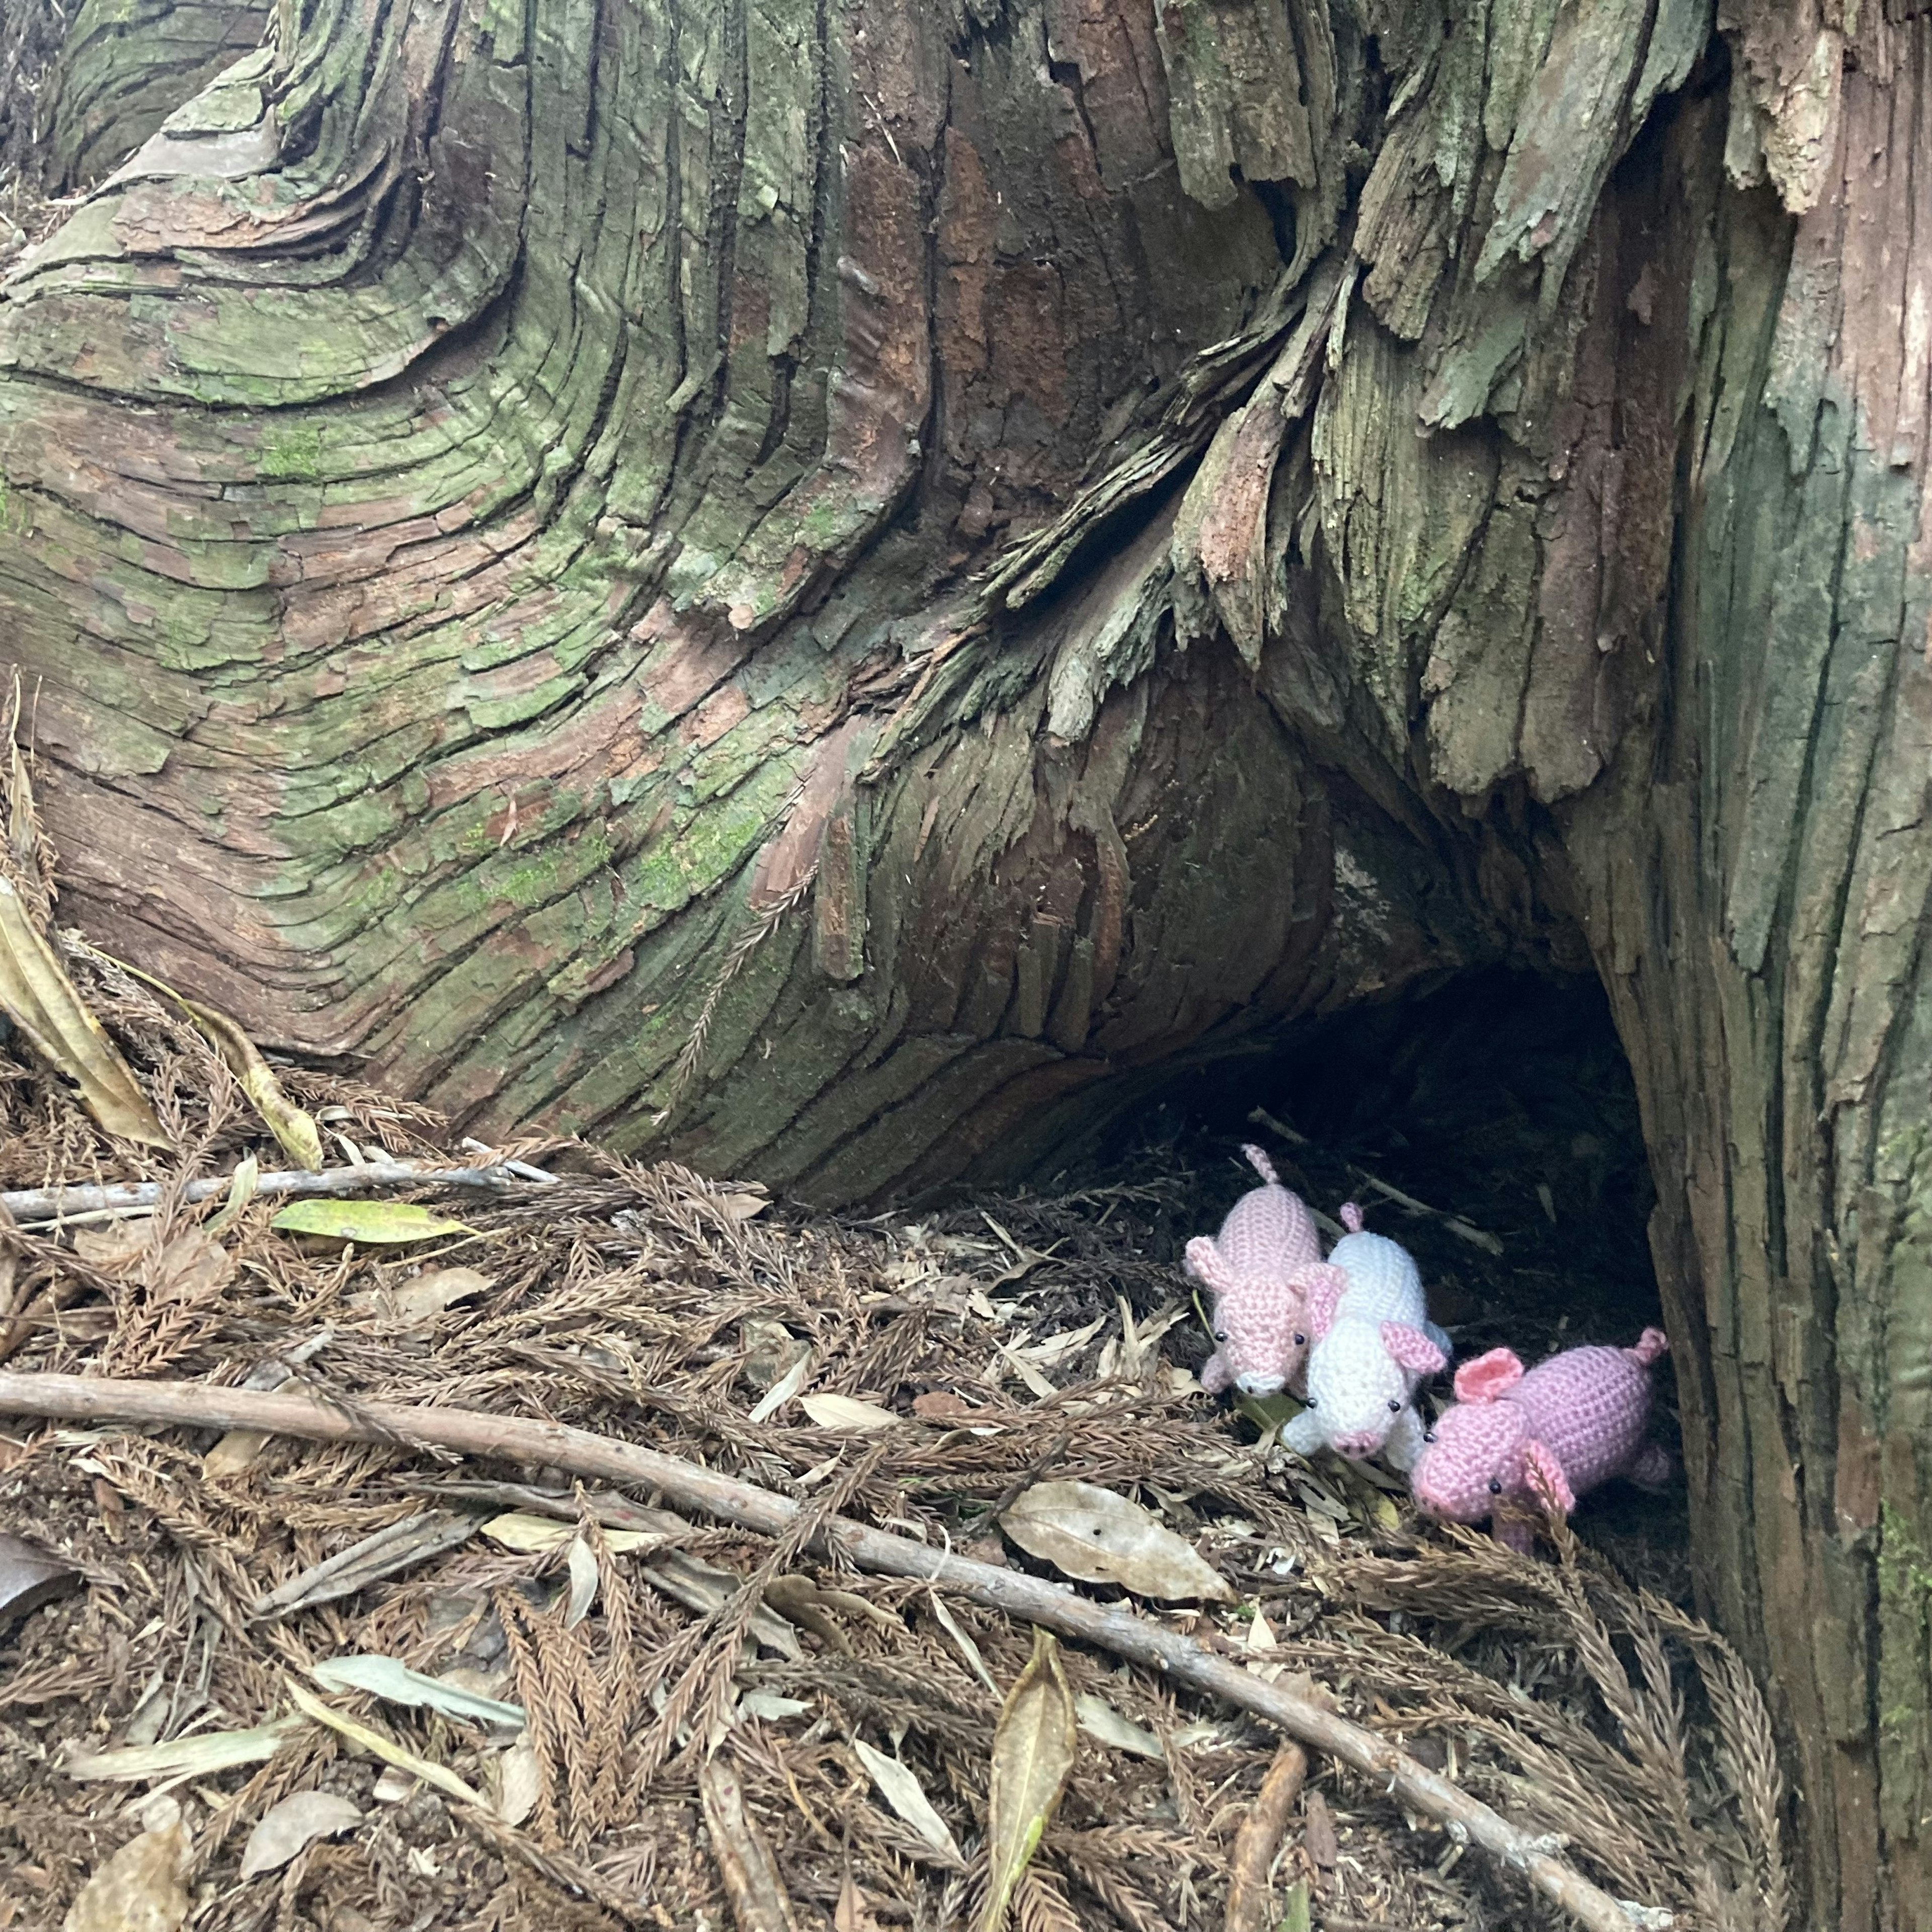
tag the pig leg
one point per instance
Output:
(1303, 1434)
(1651, 1469)
(1403, 1449)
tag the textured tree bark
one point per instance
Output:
(839, 590)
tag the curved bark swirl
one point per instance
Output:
(838, 590)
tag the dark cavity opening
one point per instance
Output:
(1500, 1099)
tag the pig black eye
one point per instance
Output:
(1395, 1407)
(1428, 1436)
(1220, 1334)
(1311, 1402)
(1496, 1487)
(1299, 1340)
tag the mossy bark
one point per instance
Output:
(838, 590)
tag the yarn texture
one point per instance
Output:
(1540, 1437)
(1371, 1342)
(1257, 1268)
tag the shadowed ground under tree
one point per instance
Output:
(819, 588)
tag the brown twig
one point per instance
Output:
(1260, 1837)
(759, 1901)
(55, 1204)
(686, 1485)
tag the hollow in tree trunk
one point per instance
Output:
(835, 591)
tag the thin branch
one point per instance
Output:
(580, 1452)
(32, 1205)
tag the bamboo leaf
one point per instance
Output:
(391, 1679)
(375, 1223)
(201, 1755)
(526, 1533)
(1099, 1719)
(1099, 1537)
(300, 1138)
(904, 1792)
(40, 1000)
(390, 1752)
(1033, 1757)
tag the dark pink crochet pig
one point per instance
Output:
(1510, 1437)
(1254, 1268)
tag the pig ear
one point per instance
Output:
(1205, 1264)
(1488, 1376)
(1546, 1477)
(1413, 1349)
(1321, 1287)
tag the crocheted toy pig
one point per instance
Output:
(1568, 1424)
(1372, 1342)
(1254, 1268)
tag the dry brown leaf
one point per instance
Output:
(1033, 1757)
(140, 1888)
(239, 1447)
(526, 1534)
(400, 1546)
(54, 1021)
(420, 1301)
(853, 1912)
(584, 1577)
(201, 1755)
(1099, 1537)
(845, 1411)
(30, 1576)
(518, 1780)
(294, 1825)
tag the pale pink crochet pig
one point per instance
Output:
(1524, 1439)
(1255, 1268)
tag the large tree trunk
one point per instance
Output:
(838, 590)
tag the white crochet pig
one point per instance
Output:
(1256, 1268)
(1371, 1342)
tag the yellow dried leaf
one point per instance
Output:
(201, 1755)
(525, 1532)
(375, 1223)
(40, 1000)
(300, 1138)
(385, 1748)
(1033, 1757)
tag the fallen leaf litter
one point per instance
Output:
(481, 1695)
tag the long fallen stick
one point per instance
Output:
(52, 1204)
(686, 1486)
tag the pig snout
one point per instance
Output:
(1362, 1442)
(1255, 1383)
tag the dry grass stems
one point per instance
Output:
(717, 1726)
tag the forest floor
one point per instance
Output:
(922, 1374)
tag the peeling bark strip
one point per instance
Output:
(497, 494)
